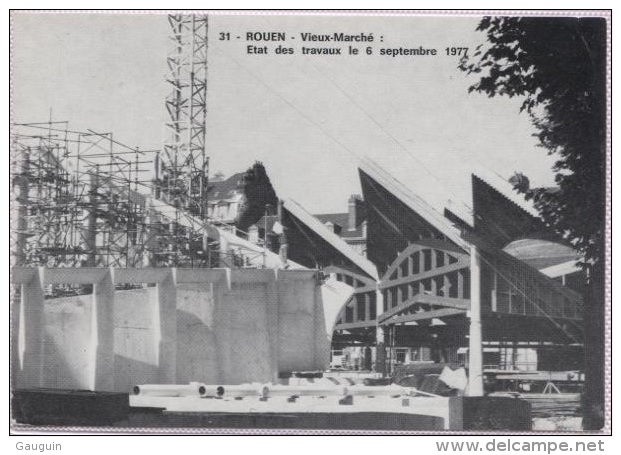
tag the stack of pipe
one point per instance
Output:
(197, 389)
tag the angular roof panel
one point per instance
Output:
(499, 218)
(328, 237)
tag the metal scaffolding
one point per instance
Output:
(85, 199)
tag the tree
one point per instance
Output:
(259, 197)
(557, 66)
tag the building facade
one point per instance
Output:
(351, 226)
(442, 280)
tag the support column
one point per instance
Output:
(165, 322)
(102, 335)
(380, 350)
(475, 351)
(322, 344)
(273, 321)
(31, 329)
(421, 261)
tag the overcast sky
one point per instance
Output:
(307, 118)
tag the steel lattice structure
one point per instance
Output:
(182, 173)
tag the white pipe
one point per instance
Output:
(245, 390)
(170, 390)
(288, 391)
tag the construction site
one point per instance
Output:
(164, 296)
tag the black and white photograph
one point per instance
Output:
(311, 222)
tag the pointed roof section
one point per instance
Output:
(414, 202)
(316, 239)
(504, 189)
(502, 216)
(397, 217)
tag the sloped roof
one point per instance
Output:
(225, 189)
(499, 218)
(392, 193)
(505, 189)
(414, 202)
(342, 219)
(330, 238)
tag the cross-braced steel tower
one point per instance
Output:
(183, 170)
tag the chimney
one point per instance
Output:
(356, 212)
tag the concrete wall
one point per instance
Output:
(197, 345)
(135, 355)
(216, 326)
(243, 330)
(66, 345)
(297, 323)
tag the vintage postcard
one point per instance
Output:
(310, 222)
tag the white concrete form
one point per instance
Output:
(176, 326)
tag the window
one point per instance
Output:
(400, 354)
(405, 267)
(453, 290)
(439, 258)
(416, 263)
(394, 298)
(372, 306)
(440, 288)
(427, 260)
(349, 314)
(361, 307)
(404, 292)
